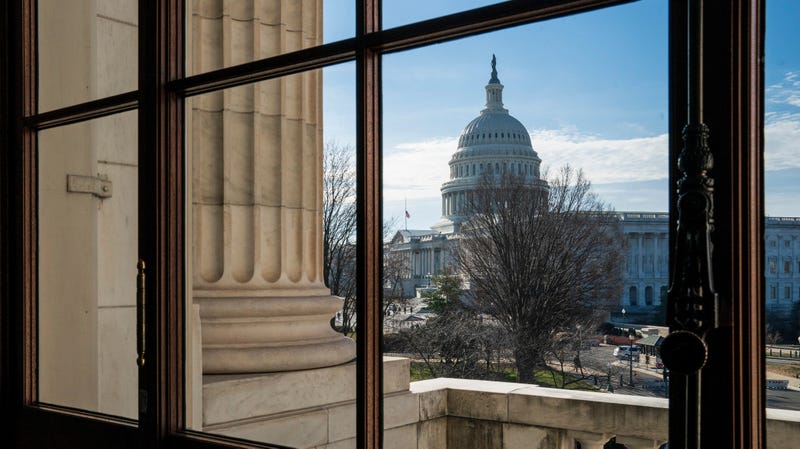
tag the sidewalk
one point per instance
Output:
(646, 382)
(794, 383)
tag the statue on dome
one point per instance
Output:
(494, 70)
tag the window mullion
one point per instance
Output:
(369, 396)
(161, 218)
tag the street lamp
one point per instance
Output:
(631, 336)
(623, 314)
(578, 356)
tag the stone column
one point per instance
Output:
(256, 197)
(642, 255)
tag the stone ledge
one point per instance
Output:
(231, 398)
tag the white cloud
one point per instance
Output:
(604, 160)
(786, 91)
(782, 141)
(416, 170)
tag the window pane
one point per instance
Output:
(223, 33)
(782, 227)
(491, 273)
(86, 51)
(88, 211)
(272, 268)
(403, 12)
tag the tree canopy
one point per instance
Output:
(539, 260)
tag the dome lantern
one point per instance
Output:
(494, 92)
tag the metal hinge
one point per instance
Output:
(98, 186)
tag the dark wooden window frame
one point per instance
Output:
(734, 89)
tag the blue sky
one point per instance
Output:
(591, 89)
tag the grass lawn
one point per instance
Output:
(420, 371)
(543, 378)
(791, 370)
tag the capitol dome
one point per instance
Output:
(494, 128)
(494, 143)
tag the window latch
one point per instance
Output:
(99, 186)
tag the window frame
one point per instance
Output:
(734, 91)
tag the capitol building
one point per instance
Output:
(497, 143)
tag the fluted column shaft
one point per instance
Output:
(257, 196)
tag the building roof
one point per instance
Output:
(650, 340)
(406, 235)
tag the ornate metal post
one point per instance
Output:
(693, 303)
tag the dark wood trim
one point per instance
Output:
(733, 110)
(678, 117)
(74, 428)
(161, 217)
(8, 316)
(441, 29)
(264, 69)
(28, 202)
(84, 111)
(480, 20)
(5, 114)
(734, 107)
(200, 440)
(732, 413)
(369, 245)
(27, 418)
(19, 387)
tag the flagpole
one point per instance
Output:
(405, 211)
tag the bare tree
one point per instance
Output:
(455, 342)
(539, 261)
(395, 269)
(339, 226)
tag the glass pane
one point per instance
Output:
(782, 227)
(403, 12)
(88, 228)
(224, 33)
(507, 276)
(271, 266)
(86, 51)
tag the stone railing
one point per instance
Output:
(473, 414)
(317, 410)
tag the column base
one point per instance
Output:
(271, 334)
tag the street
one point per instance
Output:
(600, 362)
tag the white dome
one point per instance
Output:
(493, 143)
(494, 127)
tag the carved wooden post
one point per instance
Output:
(692, 308)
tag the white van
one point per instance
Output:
(626, 352)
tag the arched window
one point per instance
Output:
(633, 298)
(648, 295)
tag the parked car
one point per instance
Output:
(626, 352)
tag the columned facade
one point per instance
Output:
(646, 275)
